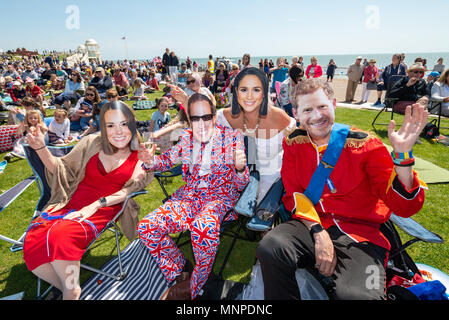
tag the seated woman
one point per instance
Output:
(207, 80)
(88, 185)
(214, 169)
(440, 93)
(220, 78)
(74, 83)
(253, 113)
(17, 115)
(91, 98)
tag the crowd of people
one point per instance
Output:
(402, 82)
(288, 110)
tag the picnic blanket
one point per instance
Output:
(143, 281)
(5, 137)
(427, 171)
(144, 104)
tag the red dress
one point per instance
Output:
(50, 238)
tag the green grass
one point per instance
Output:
(14, 276)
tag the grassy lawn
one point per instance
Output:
(14, 276)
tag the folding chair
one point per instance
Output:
(436, 105)
(389, 101)
(45, 192)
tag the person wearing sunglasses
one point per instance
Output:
(410, 89)
(92, 98)
(215, 171)
(193, 86)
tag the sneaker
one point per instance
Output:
(18, 155)
(377, 103)
(8, 156)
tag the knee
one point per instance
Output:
(269, 247)
(147, 226)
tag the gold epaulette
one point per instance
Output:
(356, 137)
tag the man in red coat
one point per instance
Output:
(339, 234)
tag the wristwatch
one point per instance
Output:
(315, 229)
(102, 202)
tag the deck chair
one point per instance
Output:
(45, 192)
(389, 101)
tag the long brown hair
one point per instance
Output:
(444, 78)
(107, 147)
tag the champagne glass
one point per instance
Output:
(147, 139)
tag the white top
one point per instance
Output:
(62, 130)
(269, 155)
(439, 92)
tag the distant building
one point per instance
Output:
(25, 52)
(93, 49)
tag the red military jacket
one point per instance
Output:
(367, 188)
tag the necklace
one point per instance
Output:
(250, 131)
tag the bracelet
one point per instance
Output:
(403, 159)
(40, 148)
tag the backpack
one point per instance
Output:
(431, 130)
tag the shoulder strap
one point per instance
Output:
(332, 154)
(251, 152)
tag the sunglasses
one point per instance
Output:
(190, 81)
(205, 117)
(420, 72)
(89, 94)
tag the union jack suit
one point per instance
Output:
(198, 206)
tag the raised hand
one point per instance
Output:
(414, 122)
(35, 138)
(239, 160)
(179, 94)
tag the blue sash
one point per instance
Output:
(331, 155)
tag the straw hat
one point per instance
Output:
(417, 66)
(372, 60)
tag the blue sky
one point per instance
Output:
(197, 28)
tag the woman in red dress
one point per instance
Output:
(56, 241)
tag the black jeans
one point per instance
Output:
(359, 273)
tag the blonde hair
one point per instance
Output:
(29, 113)
(62, 111)
(444, 78)
(137, 83)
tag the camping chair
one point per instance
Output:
(433, 106)
(45, 192)
(389, 101)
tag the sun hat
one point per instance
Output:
(372, 60)
(416, 66)
(434, 74)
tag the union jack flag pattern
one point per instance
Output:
(198, 209)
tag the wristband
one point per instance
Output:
(315, 229)
(403, 159)
(40, 148)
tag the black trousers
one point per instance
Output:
(359, 274)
